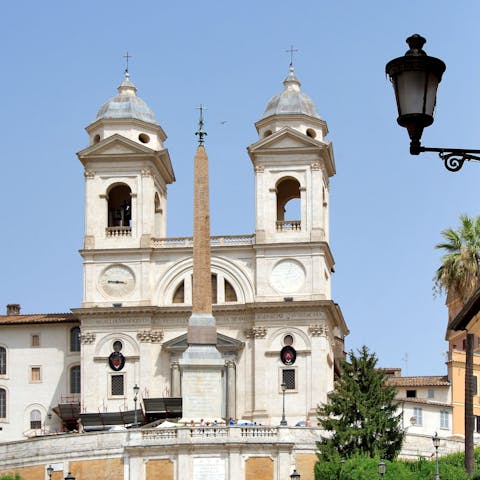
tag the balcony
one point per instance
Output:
(118, 232)
(288, 225)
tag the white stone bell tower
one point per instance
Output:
(293, 164)
(292, 161)
(127, 170)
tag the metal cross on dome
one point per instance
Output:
(127, 56)
(291, 51)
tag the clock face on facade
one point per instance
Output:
(287, 276)
(117, 281)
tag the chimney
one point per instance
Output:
(13, 309)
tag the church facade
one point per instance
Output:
(279, 332)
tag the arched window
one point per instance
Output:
(119, 210)
(230, 294)
(75, 339)
(3, 403)
(158, 215)
(35, 419)
(288, 205)
(75, 384)
(179, 295)
(222, 290)
(3, 361)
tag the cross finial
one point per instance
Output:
(291, 51)
(127, 56)
(201, 133)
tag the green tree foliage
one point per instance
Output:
(360, 417)
(459, 272)
(362, 467)
(459, 276)
(15, 476)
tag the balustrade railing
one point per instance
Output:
(215, 241)
(227, 433)
(288, 225)
(118, 231)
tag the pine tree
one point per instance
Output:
(360, 417)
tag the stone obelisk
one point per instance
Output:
(201, 363)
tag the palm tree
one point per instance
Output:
(459, 276)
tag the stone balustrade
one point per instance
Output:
(207, 434)
(215, 241)
(118, 232)
(288, 225)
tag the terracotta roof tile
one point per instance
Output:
(37, 318)
(429, 381)
(422, 401)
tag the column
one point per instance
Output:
(175, 386)
(231, 389)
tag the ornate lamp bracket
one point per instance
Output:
(453, 158)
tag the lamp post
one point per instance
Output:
(295, 475)
(136, 389)
(283, 421)
(382, 468)
(436, 444)
(49, 471)
(415, 78)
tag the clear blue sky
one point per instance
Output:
(61, 60)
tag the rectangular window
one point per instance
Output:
(75, 379)
(75, 339)
(117, 385)
(3, 403)
(418, 416)
(474, 385)
(444, 420)
(35, 340)
(35, 374)
(411, 394)
(288, 378)
(431, 393)
(3, 361)
(477, 424)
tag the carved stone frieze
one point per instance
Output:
(317, 330)
(87, 338)
(150, 336)
(146, 172)
(89, 174)
(259, 168)
(256, 332)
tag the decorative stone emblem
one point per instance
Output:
(146, 172)
(151, 336)
(87, 338)
(315, 166)
(259, 168)
(89, 174)
(256, 332)
(317, 330)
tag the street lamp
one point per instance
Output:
(415, 78)
(283, 421)
(136, 389)
(49, 471)
(295, 475)
(382, 468)
(436, 444)
(69, 477)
